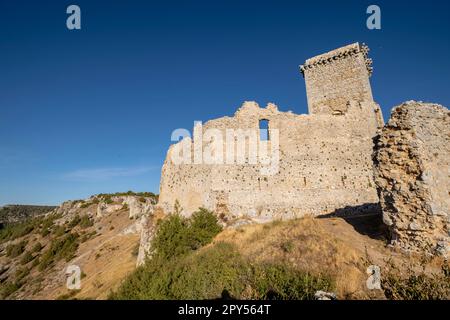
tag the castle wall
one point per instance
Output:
(324, 162)
(412, 166)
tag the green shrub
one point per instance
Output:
(45, 232)
(8, 288)
(417, 286)
(21, 273)
(22, 213)
(272, 281)
(63, 248)
(37, 247)
(15, 250)
(68, 296)
(177, 270)
(209, 273)
(106, 197)
(36, 262)
(59, 231)
(86, 222)
(27, 257)
(204, 227)
(47, 224)
(85, 205)
(171, 237)
(177, 235)
(18, 230)
(287, 246)
(74, 222)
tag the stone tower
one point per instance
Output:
(339, 78)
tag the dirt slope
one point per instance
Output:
(343, 248)
(103, 243)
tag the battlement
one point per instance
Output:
(338, 78)
(340, 53)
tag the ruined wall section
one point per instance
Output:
(412, 170)
(324, 165)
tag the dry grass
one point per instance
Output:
(106, 272)
(322, 246)
(114, 261)
(105, 259)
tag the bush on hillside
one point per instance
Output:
(74, 222)
(27, 257)
(8, 288)
(15, 250)
(417, 286)
(63, 248)
(178, 270)
(37, 247)
(178, 235)
(18, 230)
(213, 271)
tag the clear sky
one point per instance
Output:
(92, 110)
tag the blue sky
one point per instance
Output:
(92, 110)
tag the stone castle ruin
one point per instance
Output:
(323, 159)
(412, 173)
(263, 164)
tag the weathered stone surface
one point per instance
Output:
(105, 208)
(324, 157)
(97, 207)
(322, 295)
(412, 174)
(148, 231)
(147, 234)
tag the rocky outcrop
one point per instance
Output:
(147, 234)
(104, 204)
(412, 167)
(140, 208)
(148, 230)
(322, 295)
(137, 206)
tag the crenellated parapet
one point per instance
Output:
(339, 54)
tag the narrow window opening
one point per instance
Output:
(264, 130)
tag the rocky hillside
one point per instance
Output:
(203, 257)
(306, 258)
(13, 213)
(100, 235)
